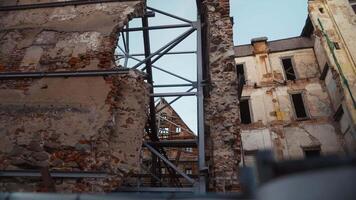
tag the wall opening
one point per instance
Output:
(339, 113)
(299, 106)
(324, 72)
(311, 152)
(288, 69)
(245, 112)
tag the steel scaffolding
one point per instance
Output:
(196, 89)
(146, 65)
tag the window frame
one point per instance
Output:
(248, 99)
(302, 93)
(293, 66)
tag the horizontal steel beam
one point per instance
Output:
(156, 27)
(156, 189)
(174, 94)
(174, 143)
(162, 175)
(54, 174)
(57, 4)
(175, 85)
(168, 53)
(15, 75)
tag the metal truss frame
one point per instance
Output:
(155, 146)
(145, 65)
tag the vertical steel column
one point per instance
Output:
(200, 109)
(155, 167)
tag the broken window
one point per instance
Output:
(324, 72)
(288, 69)
(245, 112)
(240, 69)
(339, 113)
(241, 79)
(353, 4)
(188, 171)
(299, 106)
(311, 152)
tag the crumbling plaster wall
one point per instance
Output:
(221, 102)
(69, 124)
(339, 22)
(273, 122)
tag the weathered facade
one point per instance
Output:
(284, 109)
(298, 94)
(71, 124)
(221, 102)
(334, 25)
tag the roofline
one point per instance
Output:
(274, 40)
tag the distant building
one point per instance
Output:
(296, 99)
(172, 128)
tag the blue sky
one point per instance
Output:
(275, 19)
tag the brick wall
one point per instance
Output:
(69, 124)
(221, 102)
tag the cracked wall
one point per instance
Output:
(70, 123)
(339, 22)
(221, 101)
(274, 125)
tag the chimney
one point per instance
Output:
(260, 45)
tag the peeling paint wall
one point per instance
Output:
(339, 22)
(274, 125)
(69, 124)
(221, 101)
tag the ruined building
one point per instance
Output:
(75, 119)
(75, 116)
(298, 93)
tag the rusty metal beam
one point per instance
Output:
(57, 4)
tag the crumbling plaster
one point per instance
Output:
(339, 22)
(69, 124)
(274, 125)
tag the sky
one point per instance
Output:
(275, 19)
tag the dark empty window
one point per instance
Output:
(336, 45)
(241, 79)
(312, 153)
(353, 4)
(240, 69)
(339, 113)
(245, 111)
(288, 68)
(299, 107)
(324, 72)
